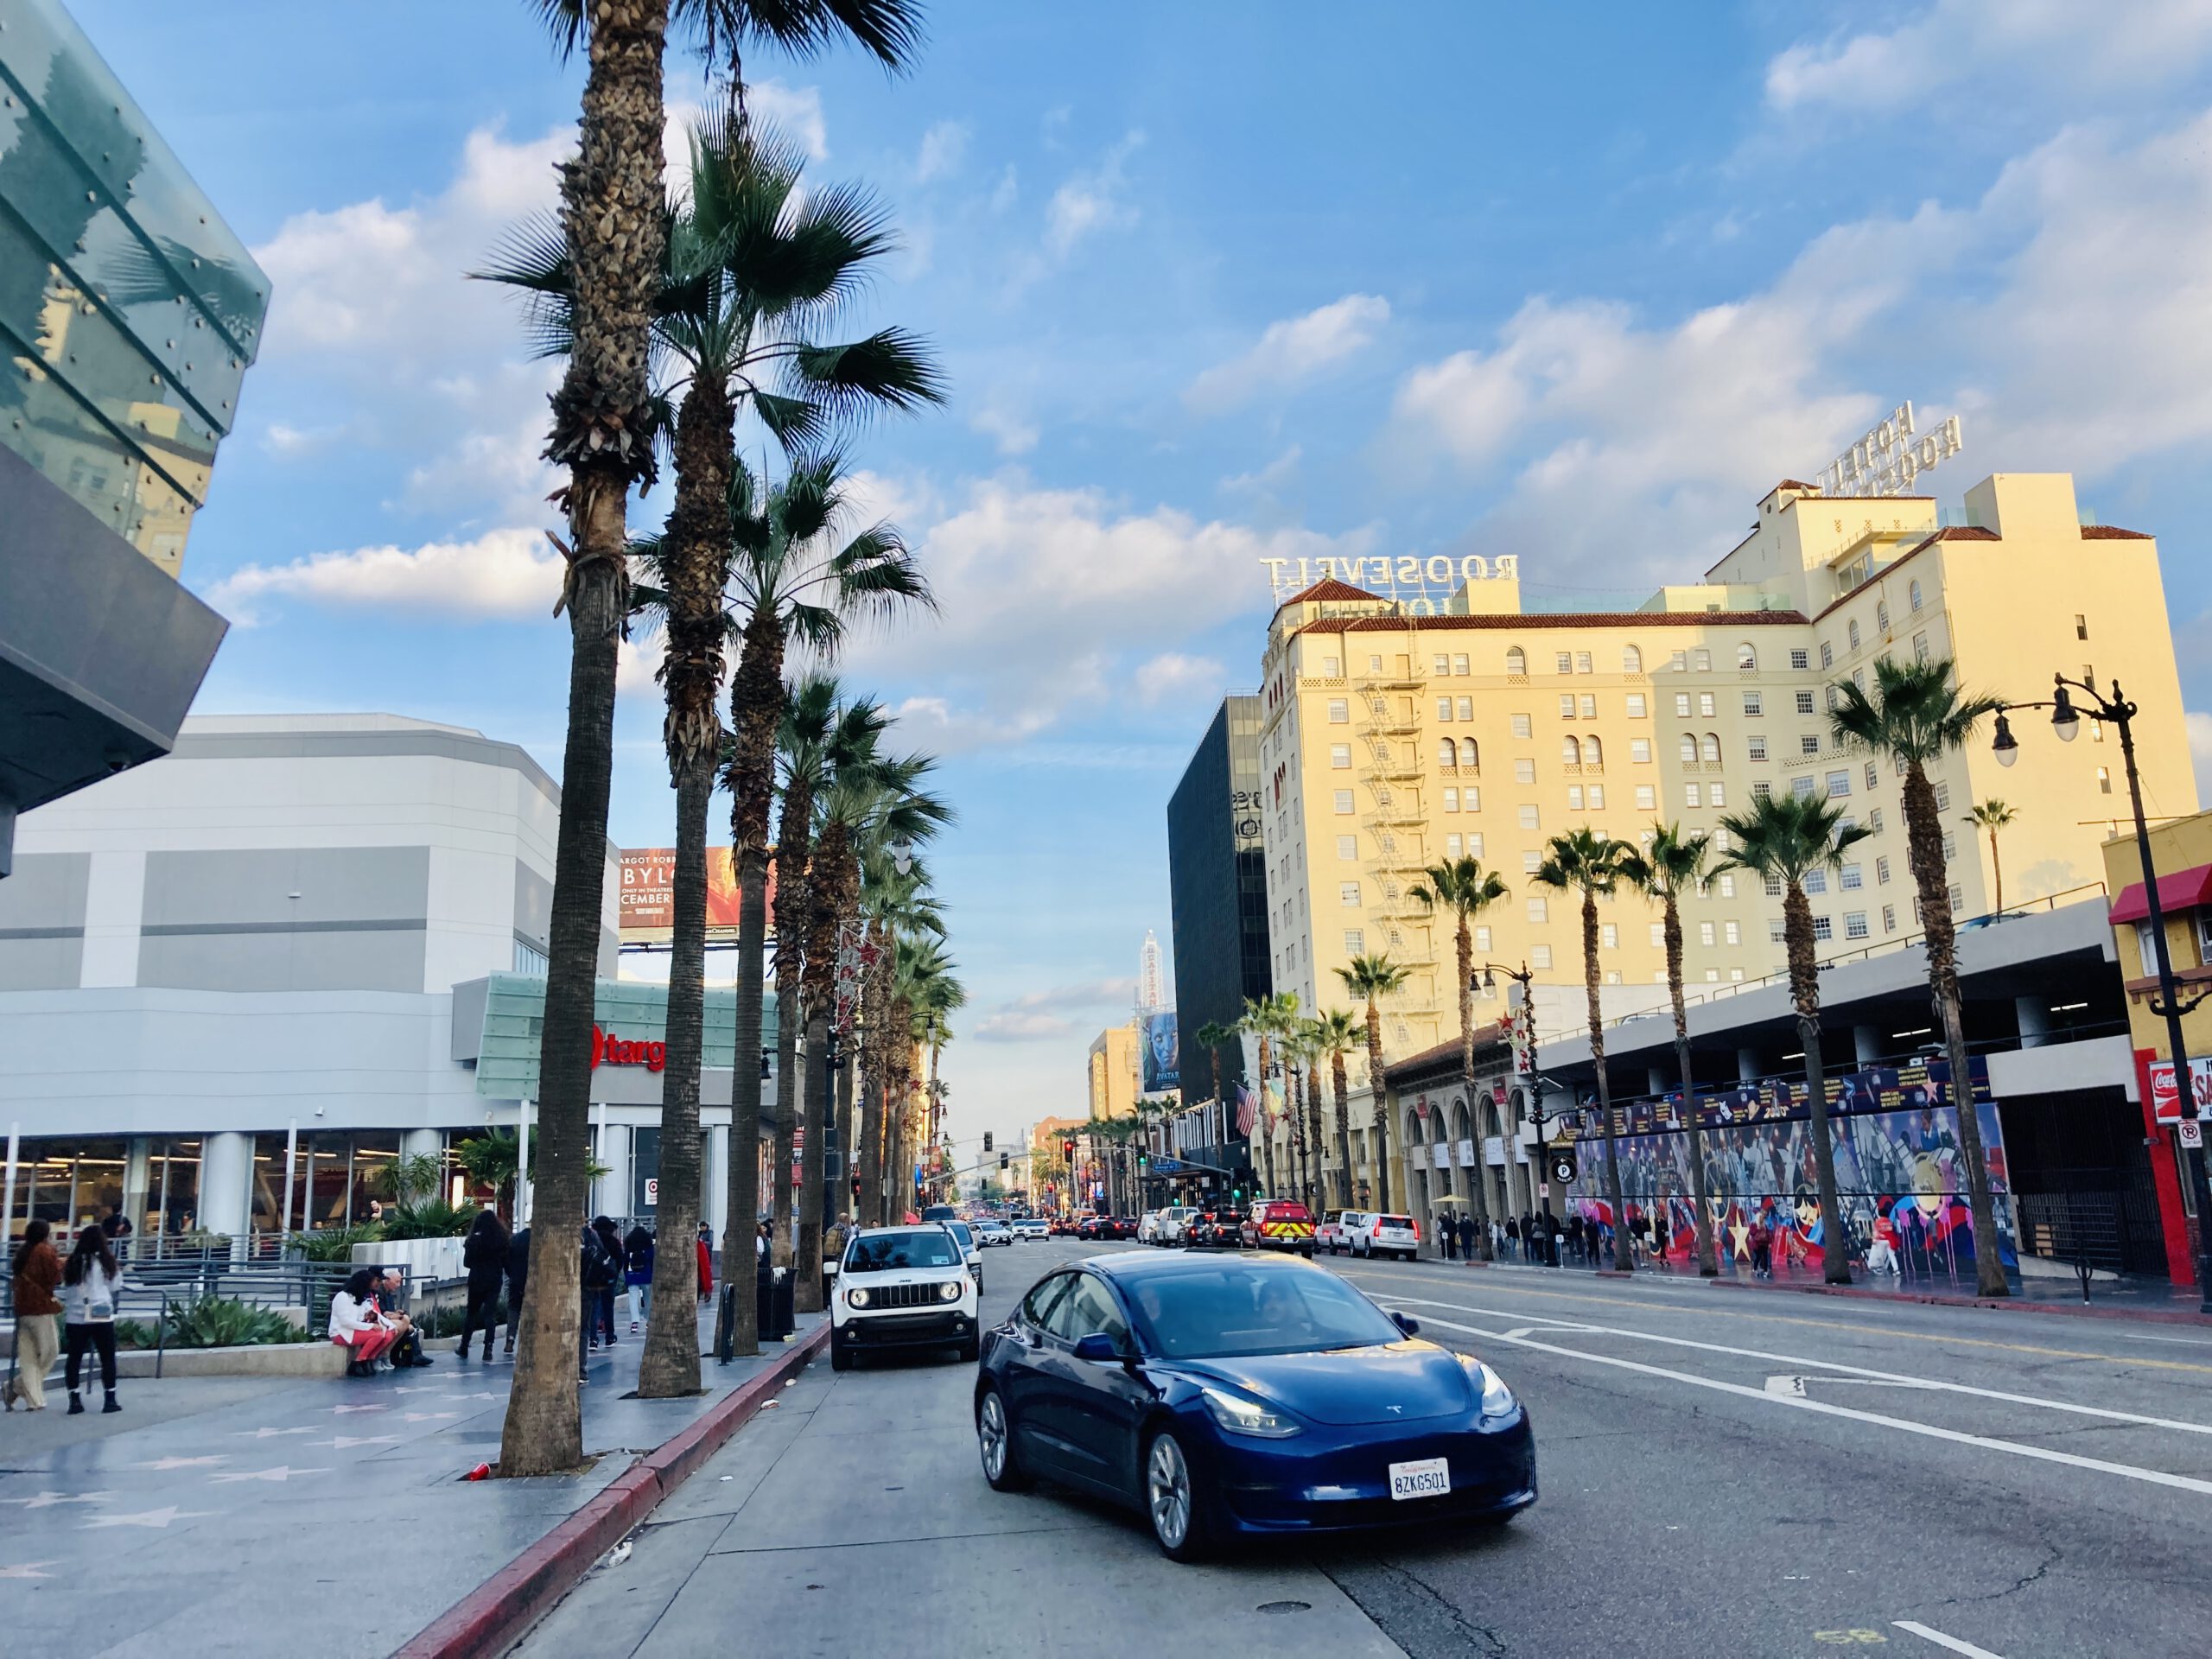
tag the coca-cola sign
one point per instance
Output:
(2165, 1099)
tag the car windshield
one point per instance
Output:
(930, 1247)
(959, 1231)
(1240, 1308)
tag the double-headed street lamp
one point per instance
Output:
(2066, 722)
(1486, 980)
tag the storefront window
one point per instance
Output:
(172, 1188)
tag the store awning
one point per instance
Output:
(2183, 890)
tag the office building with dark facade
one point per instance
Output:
(1218, 883)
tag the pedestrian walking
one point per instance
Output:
(1762, 1247)
(1466, 1238)
(1512, 1235)
(1448, 1235)
(592, 1266)
(1659, 1239)
(90, 1285)
(517, 1279)
(118, 1227)
(638, 1272)
(1574, 1236)
(37, 1272)
(1882, 1256)
(706, 1254)
(608, 1274)
(484, 1257)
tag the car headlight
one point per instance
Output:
(949, 1291)
(1240, 1415)
(856, 1297)
(1497, 1398)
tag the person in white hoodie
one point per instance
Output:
(90, 1285)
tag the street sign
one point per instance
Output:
(2192, 1131)
(1543, 1189)
(652, 1192)
(1561, 1164)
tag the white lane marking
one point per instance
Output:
(1855, 1371)
(1905, 1425)
(1943, 1641)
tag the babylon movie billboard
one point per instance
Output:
(1163, 1064)
(648, 897)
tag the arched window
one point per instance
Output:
(1689, 750)
(1570, 751)
(1712, 747)
(1516, 660)
(1470, 759)
(1745, 656)
(1852, 631)
(1446, 756)
(1632, 660)
(1592, 754)
(1882, 615)
(1913, 593)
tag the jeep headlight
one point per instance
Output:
(949, 1291)
(856, 1297)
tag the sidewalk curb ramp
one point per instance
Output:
(502, 1610)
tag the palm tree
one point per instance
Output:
(1373, 978)
(1211, 1036)
(1309, 1128)
(1338, 1031)
(1918, 714)
(1466, 889)
(1267, 1018)
(1782, 838)
(1992, 816)
(1587, 862)
(1671, 864)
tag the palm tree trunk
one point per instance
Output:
(806, 1293)
(848, 1122)
(792, 880)
(1381, 1128)
(1341, 1083)
(1924, 842)
(1996, 870)
(611, 219)
(742, 1219)
(1314, 1135)
(1623, 1259)
(1805, 992)
(1481, 1172)
(1266, 1128)
(668, 1367)
(1702, 1221)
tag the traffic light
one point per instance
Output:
(1067, 1147)
(987, 1140)
(1004, 1160)
(1144, 1162)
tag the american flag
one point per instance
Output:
(1247, 1109)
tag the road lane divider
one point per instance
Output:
(1943, 1640)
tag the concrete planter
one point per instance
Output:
(424, 1258)
(274, 1359)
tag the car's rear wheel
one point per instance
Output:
(995, 1441)
(1171, 1500)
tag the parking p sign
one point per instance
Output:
(1560, 1163)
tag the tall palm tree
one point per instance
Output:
(1671, 865)
(1267, 1018)
(1308, 1128)
(1338, 1030)
(802, 742)
(1374, 977)
(1919, 714)
(1211, 1036)
(1990, 817)
(1586, 862)
(1782, 838)
(1464, 888)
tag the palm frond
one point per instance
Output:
(891, 369)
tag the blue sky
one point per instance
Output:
(1211, 284)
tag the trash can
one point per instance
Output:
(773, 1305)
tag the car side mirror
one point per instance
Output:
(830, 1267)
(1097, 1347)
(1407, 1323)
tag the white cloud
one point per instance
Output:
(1013, 435)
(506, 574)
(285, 441)
(795, 111)
(1268, 481)
(1091, 202)
(1173, 676)
(1008, 190)
(1291, 353)
(1014, 1026)
(945, 146)
(1040, 1015)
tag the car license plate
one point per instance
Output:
(1429, 1477)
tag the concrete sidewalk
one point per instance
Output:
(236, 1515)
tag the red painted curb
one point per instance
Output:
(498, 1613)
(2068, 1310)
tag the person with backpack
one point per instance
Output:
(638, 1273)
(484, 1255)
(517, 1279)
(607, 1275)
(90, 1285)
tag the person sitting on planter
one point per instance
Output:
(357, 1327)
(390, 1300)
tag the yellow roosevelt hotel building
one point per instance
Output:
(1392, 741)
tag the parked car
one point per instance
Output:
(969, 1252)
(1214, 1228)
(1125, 1227)
(1279, 1224)
(1031, 1227)
(1335, 1233)
(1092, 1227)
(902, 1287)
(992, 1231)
(1398, 1236)
(1175, 1224)
(1227, 1396)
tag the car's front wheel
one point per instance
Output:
(995, 1441)
(840, 1357)
(1171, 1500)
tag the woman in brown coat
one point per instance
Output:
(38, 1317)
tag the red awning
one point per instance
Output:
(2185, 890)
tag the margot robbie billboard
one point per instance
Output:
(648, 899)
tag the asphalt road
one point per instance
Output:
(1723, 1472)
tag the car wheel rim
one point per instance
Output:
(1168, 1487)
(991, 1430)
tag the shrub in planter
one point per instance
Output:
(222, 1322)
(334, 1244)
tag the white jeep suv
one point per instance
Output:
(902, 1287)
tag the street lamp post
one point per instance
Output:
(1488, 981)
(2066, 722)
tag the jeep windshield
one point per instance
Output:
(930, 1247)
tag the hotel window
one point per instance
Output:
(1714, 797)
(1530, 818)
(1712, 975)
(1950, 846)
(1470, 800)
(1853, 878)
(1774, 886)
(1466, 708)
(1564, 662)
(1850, 631)
(1374, 664)
(1873, 781)
(1727, 882)
(1474, 847)
(1679, 662)
(1705, 932)
(1758, 748)
(1582, 662)
(1612, 975)
(2081, 626)
(1458, 665)
(1705, 706)
(1889, 918)
(1597, 797)
(1682, 704)
(1593, 752)
(1632, 659)
(1746, 657)
(1913, 594)
(1804, 703)
(1809, 743)
(1539, 955)
(1355, 942)
(1609, 937)
(1754, 705)
(1958, 898)
(1444, 708)
(530, 960)
(1693, 795)
(1524, 771)
(1774, 930)
(1452, 847)
(1340, 756)
(1800, 660)
(1827, 655)
(1646, 798)
(1712, 748)
(1447, 754)
(1823, 929)
(1575, 797)
(1589, 706)
(1882, 615)
(1531, 862)
(1339, 712)
(1348, 895)
(1343, 800)
(1942, 798)
(1919, 647)
(1838, 784)
(1858, 678)
(1482, 938)
(1523, 726)
(1517, 661)
(1701, 660)
(1347, 846)
(1814, 880)
(1570, 750)
(1731, 933)
(1450, 800)
(1443, 665)
(1331, 668)
(1874, 818)
(1833, 697)
(1635, 705)
(1802, 788)
(1689, 750)
(1639, 750)
(1566, 705)
(1539, 909)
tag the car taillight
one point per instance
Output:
(1416, 1227)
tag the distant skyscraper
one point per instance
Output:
(1152, 993)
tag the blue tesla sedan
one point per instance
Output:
(1224, 1395)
